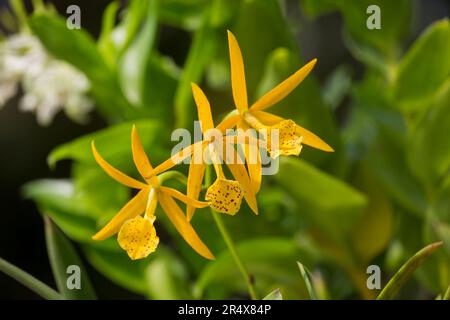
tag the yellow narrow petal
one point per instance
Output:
(114, 173)
(177, 158)
(228, 123)
(225, 196)
(183, 226)
(252, 158)
(183, 198)
(309, 138)
(312, 140)
(140, 158)
(238, 84)
(194, 184)
(284, 88)
(134, 207)
(138, 237)
(203, 108)
(239, 173)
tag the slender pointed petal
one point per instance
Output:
(203, 108)
(194, 184)
(228, 123)
(283, 89)
(309, 138)
(177, 158)
(312, 140)
(237, 168)
(238, 83)
(114, 173)
(140, 158)
(183, 226)
(183, 198)
(252, 158)
(134, 207)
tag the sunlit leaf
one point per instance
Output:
(118, 267)
(166, 277)
(425, 67)
(112, 141)
(333, 205)
(306, 277)
(406, 271)
(270, 261)
(274, 295)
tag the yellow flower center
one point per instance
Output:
(138, 237)
(225, 196)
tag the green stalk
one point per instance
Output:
(230, 245)
(29, 281)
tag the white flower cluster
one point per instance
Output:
(48, 85)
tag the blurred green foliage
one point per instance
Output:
(379, 198)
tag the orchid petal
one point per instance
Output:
(283, 89)
(238, 83)
(114, 173)
(183, 226)
(134, 207)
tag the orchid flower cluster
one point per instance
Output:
(134, 223)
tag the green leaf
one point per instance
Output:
(316, 8)
(200, 53)
(258, 40)
(425, 67)
(134, 62)
(337, 86)
(101, 196)
(391, 289)
(428, 144)
(79, 49)
(133, 16)
(105, 41)
(395, 19)
(111, 142)
(270, 261)
(387, 159)
(163, 75)
(118, 267)
(29, 281)
(166, 277)
(182, 14)
(310, 186)
(447, 294)
(55, 198)
(274, 295)
(369, 56)
(373, 232)
(62, 255)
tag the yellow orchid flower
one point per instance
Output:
(136, 233)
(291, 135)
(224, 195)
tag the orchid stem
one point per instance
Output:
(230, 245)
(29, 281)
